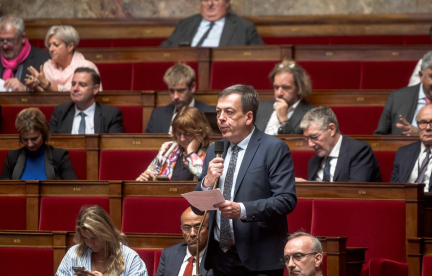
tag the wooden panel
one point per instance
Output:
(417, 248)
(247, 53)
(157, 188)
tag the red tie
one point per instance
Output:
(189, 267)
(427, 100)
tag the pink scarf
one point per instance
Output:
(11, 65)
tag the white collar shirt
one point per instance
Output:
(273, 124)
(416, 169)
(89, 119)
(213, 37)
(186, 261)
(334, 154)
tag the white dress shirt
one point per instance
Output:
(273, 124)
(421, 102)
(186, 261)
(192, 104)
(89, 119)
(335, 155)
(416, 169)
(213, 37)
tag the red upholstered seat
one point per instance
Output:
(78, 159)
(132, 119)
(124, 164)
(60, 213)
(296, 40)
(13, 213)
(367, 40)
(357, 120)
(301, 218)
(148, 256)
(149, 75)
(377, 225)
(383, 267)
(386, 74)
(427, 265)
(333, 74)
(226, 73)
(152, 214)
(301, 161)
(157, 256)
(137, 42)
(37, 43)
(417, 40)
(9, 114)
(385, 162)
(27, 261)
(115, 76)
(94, 43)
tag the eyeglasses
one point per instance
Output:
(187, 228)
(186, 135)
(423, 124)
(217, 1)
(297, 257)
(7, 41)
(314, 137)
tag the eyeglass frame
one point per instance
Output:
(186, 231)
(314, 137)
(285, 262)
(8, 41)
(186, 135)
(424, 122)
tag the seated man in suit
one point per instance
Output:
(17, 54)
(412, 163)
(402, 106)
(214, 27)
(337, 158)
(84, 115)
(180, 259)
(180, 79)
(291, 84)
(303, 255)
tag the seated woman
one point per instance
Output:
(36, 160)
(101, 248)
(191, 132)
(56, 74)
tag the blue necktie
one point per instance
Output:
(82, 125)
(327, 169)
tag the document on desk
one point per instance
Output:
(2, 88)
(204, 200)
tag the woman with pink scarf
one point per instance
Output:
(57, 73)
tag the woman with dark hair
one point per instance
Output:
(100, 248)
(191, 132)
(36, 160)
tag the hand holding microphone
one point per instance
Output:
(215, 168)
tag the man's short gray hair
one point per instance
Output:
(12, 20)
(316, 244)
(65, 33)
(426, 61)
(323, 116)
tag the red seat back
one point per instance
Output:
(115, 76)
(417, 40)
(357, 120)
(158, 254)
(60, 213)
(137, 42)
(9, 114)
(296, 40)
(152, 214)
(383, 267)
(301, 161)
(385, 161)
(95, 43)
(301, 218)
(386, 74)
(78, 159)
(377, 225)
(148, 256)
(13, 213)
(132, 119)
(427, 265)
(227, 73)
(27, 261)
(367, 40)
(124, 164)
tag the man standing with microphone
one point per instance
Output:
(256, 177)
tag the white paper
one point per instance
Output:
(2, 88)
(204, 200)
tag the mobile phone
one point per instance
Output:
(78, 268)
(163, 178)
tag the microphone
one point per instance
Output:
(219, 148)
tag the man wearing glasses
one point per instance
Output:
(180, 259)
(214, 26)
(303, 255)
(17, 54)
(337, 158)
(413, 162)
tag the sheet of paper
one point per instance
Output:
(2, 89)
(204, 200)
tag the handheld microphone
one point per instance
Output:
(219, 148)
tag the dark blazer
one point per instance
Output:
(57, 164)
(265, 185)
(266, 109)
(356, 163)
(400, 102)
(36, 58)
(236, 31)
(172, 259)
(160, 119)
(107, 119)
(405, 160)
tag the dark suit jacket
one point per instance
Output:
(236, 31)
(356, 163)
(57, 164)
(266, 109)
(160, 119)
(172, 259)
(400, 102)
(405, 160)
(36, 58)
(265, 185)
(107, 119)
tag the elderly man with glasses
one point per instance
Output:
(303, 255)
(17, 54)
(180, 259)
(337, 158)
(413, 162)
